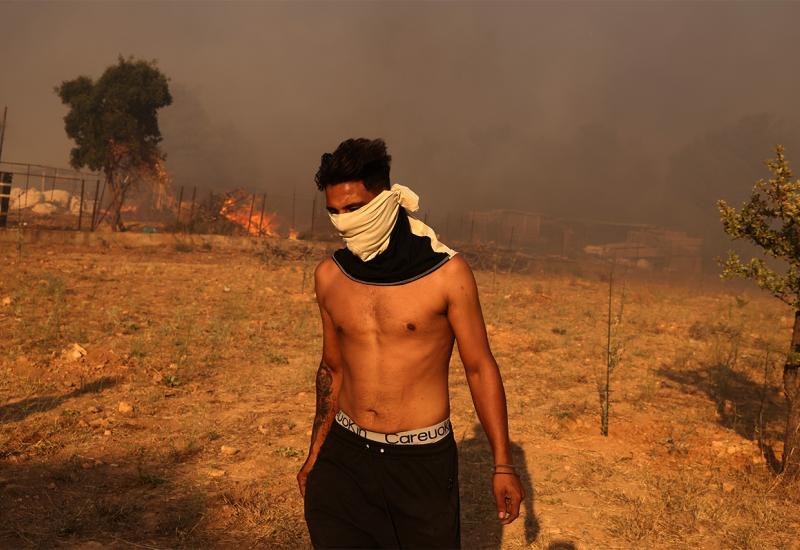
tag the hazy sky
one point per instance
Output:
(603, 110)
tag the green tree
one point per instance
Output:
(114, 124)
(770, 219)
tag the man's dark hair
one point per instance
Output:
(358, 159)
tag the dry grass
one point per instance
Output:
(213, 348)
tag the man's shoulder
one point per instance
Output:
(326, 270)
(456, 268)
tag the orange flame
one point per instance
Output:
(238, 212)
(293, 234)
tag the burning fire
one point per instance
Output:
(293, 234)
(242, 212)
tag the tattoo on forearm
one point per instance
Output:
(324, 400)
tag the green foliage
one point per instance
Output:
(114, 124)
(117, 110)
(289, 452)
(770, 219)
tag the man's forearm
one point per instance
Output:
(327, 397)
(489, 398)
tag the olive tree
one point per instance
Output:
(770, 219)
(114, 123)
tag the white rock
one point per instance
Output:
(59, 197)
(124, 407)
(22, 199)
(74, 206)
(44, 208)
(74, 352)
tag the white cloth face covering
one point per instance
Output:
(366, 231)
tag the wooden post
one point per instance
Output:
(94, 206)
(191, 210)
(263, 206)
(80, 208)
(180, 203)
(53, 187)
(250, 216)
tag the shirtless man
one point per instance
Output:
(382, 468)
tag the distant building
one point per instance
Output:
(647, 246)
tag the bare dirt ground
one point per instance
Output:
(186, 420)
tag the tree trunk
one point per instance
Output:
(119, 189)
(791, 387)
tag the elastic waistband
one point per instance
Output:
(421, 436)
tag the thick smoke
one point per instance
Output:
(207, 153)
(643, 112)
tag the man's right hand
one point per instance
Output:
(302, 475)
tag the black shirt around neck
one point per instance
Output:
(407, 258)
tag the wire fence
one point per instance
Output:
(38, 196)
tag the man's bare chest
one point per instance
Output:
(412, 309)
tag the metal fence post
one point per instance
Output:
(180, 203)
(472, 228)
(191, 211)
(80, 208)
(250, 216)
(261, 219)
(27, 181)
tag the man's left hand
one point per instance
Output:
(508, 494)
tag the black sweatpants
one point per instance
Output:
(363, 494)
